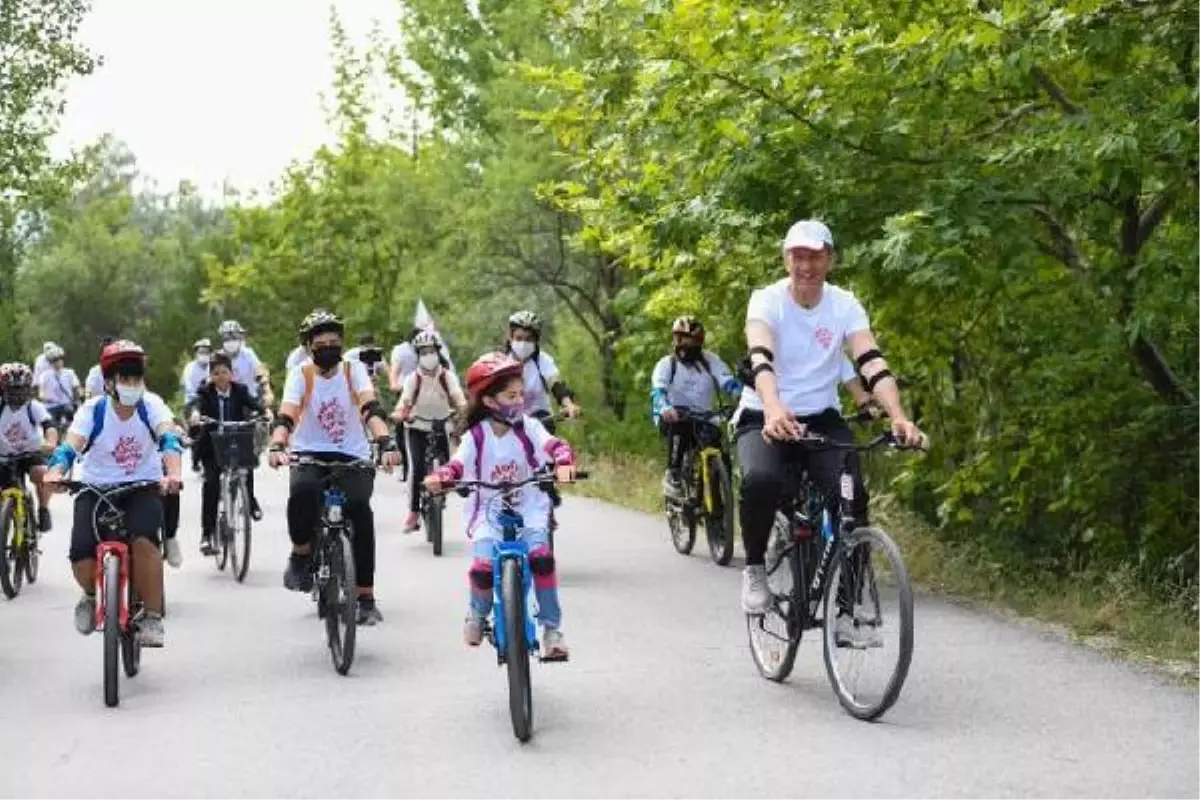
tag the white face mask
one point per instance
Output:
(523, 350)
(232, 346)
(429, 362)
(202, 359)
(129, 395)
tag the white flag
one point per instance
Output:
(423, 320)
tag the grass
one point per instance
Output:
(1107, 611)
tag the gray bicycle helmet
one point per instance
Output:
(321, 321)
(526, 320)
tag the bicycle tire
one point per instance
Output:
(791, 614)
(433, 523)
(131, 648)
(33, 551)
(520, 692)
(112, 629)
(719, 527)
(240, 532)
(225, 534)
(340, 601)
(875, 536)
(10, 567)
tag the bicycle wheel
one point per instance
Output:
(719, 525)
(224, 531)
(339, 597)
(775, 636)
(867, 562)
(239, 531)
(520, 693)
(111, 598)
(10, 568)
(33, 552)
(131, 648)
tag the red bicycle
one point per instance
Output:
(117, 601)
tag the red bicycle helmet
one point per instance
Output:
(491, 368)
(119, 353)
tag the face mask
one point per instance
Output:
(689, 352)
(511, 413)
(523, 350)
(202, 359)
(232, 346)
(429, 362)
(129, 395)
(327, 357)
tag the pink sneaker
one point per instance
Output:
(412, 522)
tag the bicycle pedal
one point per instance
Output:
(555, 659)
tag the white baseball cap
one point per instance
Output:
(809, 234)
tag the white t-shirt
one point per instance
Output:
(19, 436)
(57, 387)
(536, 398)
(94, 383)
(809, 345)
(125, 451)
(693, 385)
(40, 365)
(404, 355)
(330, 423)
(504, 459)
(245, 369)
(848, 371)
(297, 357)
(194, 374)
(432, 402)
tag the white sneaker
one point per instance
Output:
(174, 553)
(85, 614)
(150, 629)
(756, 595)
(862, 636)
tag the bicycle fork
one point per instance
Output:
(499, 632)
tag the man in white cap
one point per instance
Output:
(798, 331)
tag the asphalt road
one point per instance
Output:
(660, 697)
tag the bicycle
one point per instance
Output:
(707, 488)
(828, 573)
(19, 549)
(512, 584)
(235, 452)
(118, 604)
(433, 505)
(335, 589)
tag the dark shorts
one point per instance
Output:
(143, 519)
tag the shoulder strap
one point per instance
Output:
(445, 383)
(97, 421)
(144, 415)
(29, 411)
(537, 364)
(674, 368)
(527, 444)
(477, 437)
(417, 389)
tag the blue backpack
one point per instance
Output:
(98, 420)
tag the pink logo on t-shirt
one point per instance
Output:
(332, 419)
(127, 454)
(14, 434)
(824, 337)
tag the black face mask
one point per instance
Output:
(689, 353)
(327, 357)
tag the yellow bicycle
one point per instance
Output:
(707, 488)
(19, 550)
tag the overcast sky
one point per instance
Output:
(209, 90)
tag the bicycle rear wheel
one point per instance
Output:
(520, 692)
(131, 648)
(111, 598)
(239, 530)
(11, 570)
(775, 636)
(434, 507)
(32, 559)
(719, 525)
(339, 598)
(868, 585)
(224, 534)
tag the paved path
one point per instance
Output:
(660, 698)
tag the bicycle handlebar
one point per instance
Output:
(249, 423)
(110, 492)
(309, 461)
(541, 477)
(887, 439)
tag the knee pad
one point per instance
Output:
(541, 563)
(480, 574)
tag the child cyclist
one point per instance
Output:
(500, 442)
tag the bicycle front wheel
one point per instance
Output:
(239, 531)
(520, 691)
(10, 562)
(339, 598)
(719, 524)
(868, 623)
(111, 597)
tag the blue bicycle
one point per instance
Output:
(512, 585)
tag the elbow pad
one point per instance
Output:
(285, 422)
(64, 457)
(561, 392)
(373, 409)
(658, 401)
(170, 443)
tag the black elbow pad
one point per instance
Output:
(561, 392)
